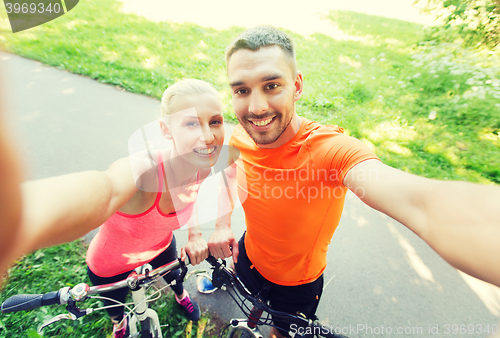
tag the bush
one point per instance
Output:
(477, 22)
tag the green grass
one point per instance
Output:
(53, 268)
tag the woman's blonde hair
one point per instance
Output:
(187, 87)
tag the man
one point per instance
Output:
(296, 173)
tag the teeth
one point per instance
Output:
(263, 122)
(205, 151)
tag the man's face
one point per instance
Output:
(264, 91)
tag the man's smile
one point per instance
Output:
(263, 123)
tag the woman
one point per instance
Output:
(157, 190)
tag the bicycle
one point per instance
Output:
(144, 277)
(138, 281)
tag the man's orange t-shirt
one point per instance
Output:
(293, 198)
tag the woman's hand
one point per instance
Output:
(196, 248)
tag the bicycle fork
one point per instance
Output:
(250, 325)
(142, 311)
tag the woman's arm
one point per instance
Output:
(10, 199)
(63, 208)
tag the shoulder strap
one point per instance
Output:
(161, 177)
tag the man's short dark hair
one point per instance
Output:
(263, 36)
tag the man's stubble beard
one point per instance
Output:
(279, 132)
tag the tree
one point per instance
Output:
(476, 21)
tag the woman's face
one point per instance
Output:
(197, 129)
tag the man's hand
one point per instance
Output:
(223, 244)
(196, 248)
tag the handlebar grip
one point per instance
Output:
(29, 302)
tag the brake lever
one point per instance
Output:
(215, 277)
(57, 318)
(182, 275)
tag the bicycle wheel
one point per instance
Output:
(242, 332)
(148, 330)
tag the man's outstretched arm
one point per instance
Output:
(459, 220)
(222, 242)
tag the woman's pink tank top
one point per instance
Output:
(125, 242)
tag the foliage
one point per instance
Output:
(462, 89)
(427, 108)
(477, 22)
